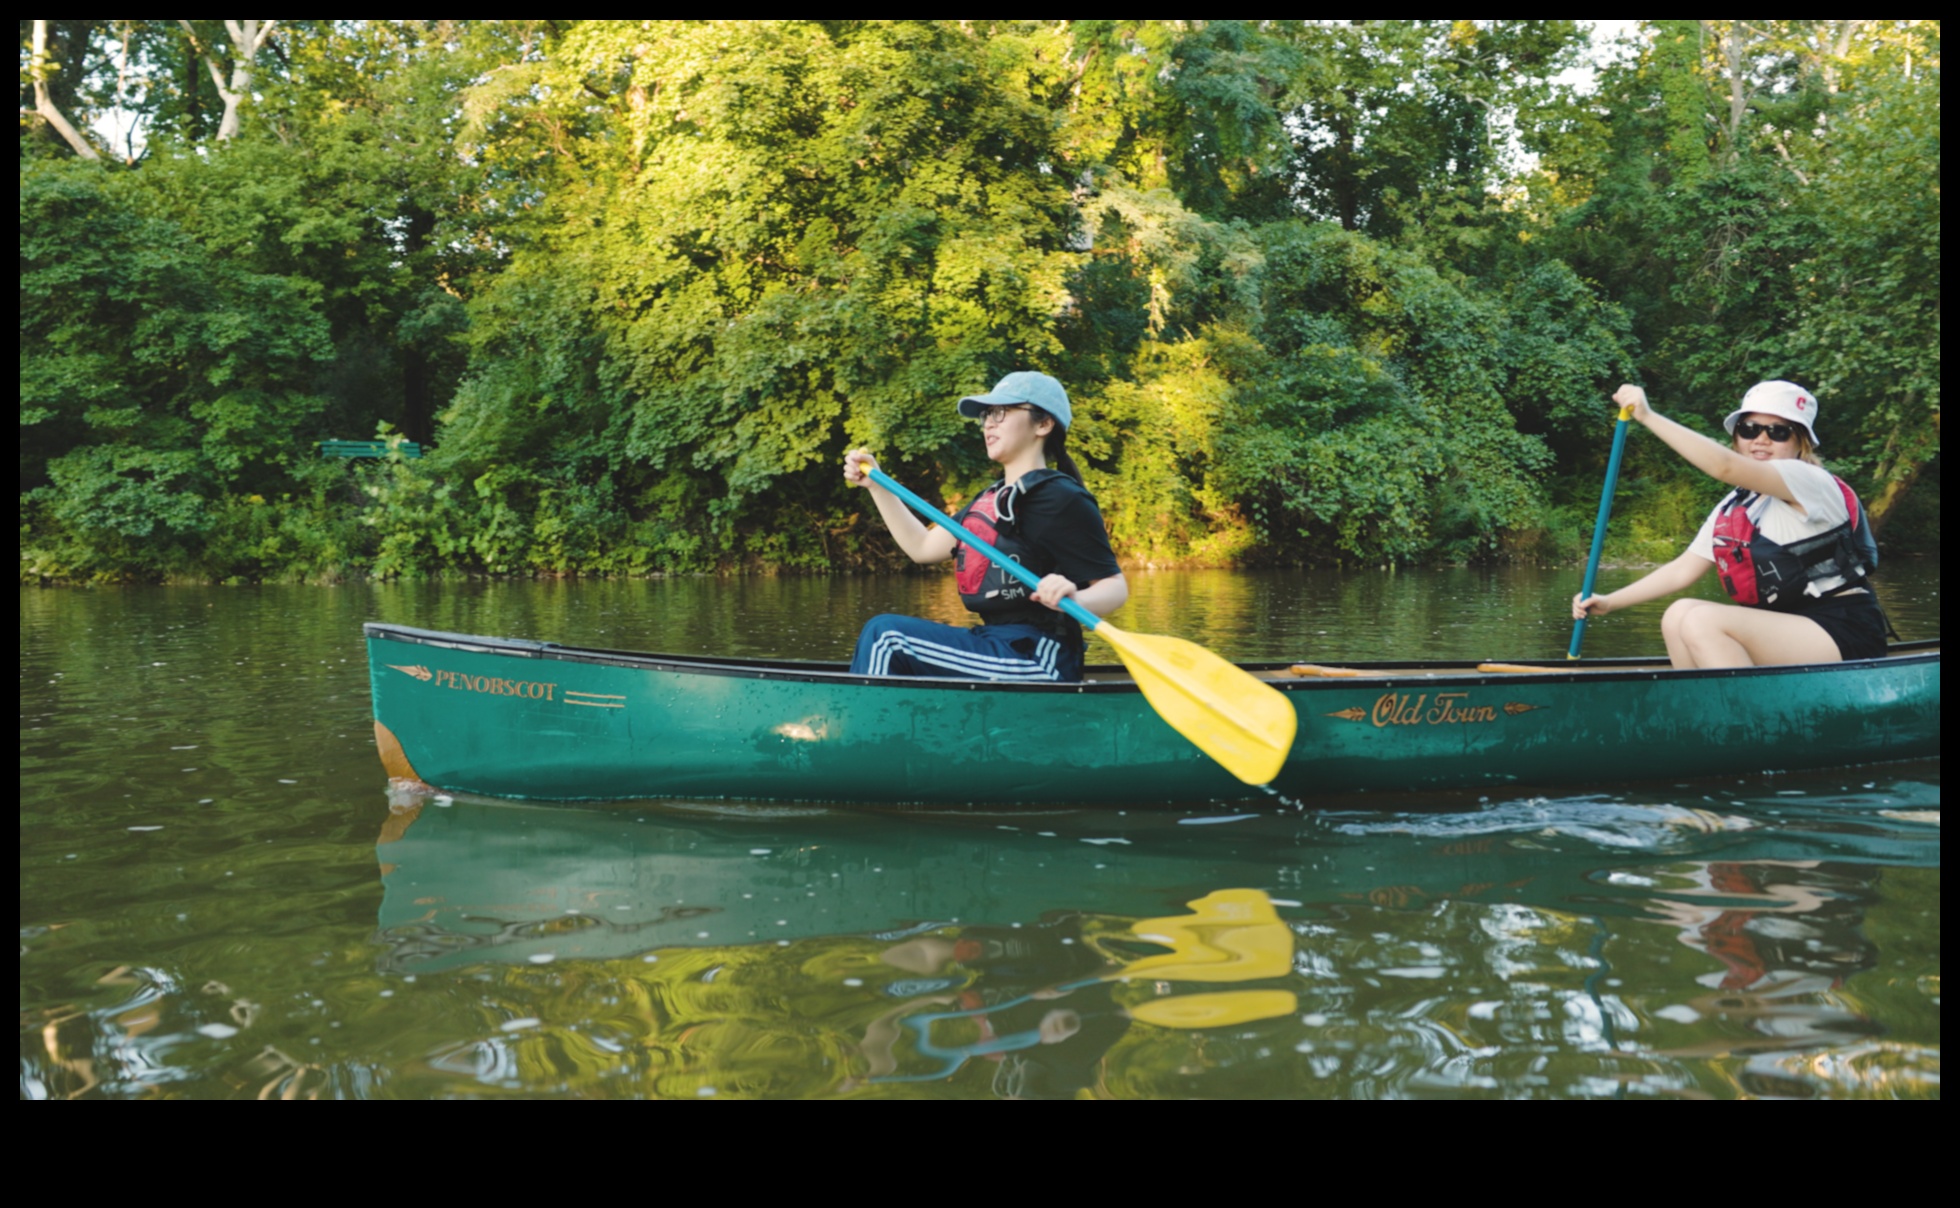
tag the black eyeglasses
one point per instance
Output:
(1777, 432)
(998, 415)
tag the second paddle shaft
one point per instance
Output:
(1599, 525)
(1088, 619)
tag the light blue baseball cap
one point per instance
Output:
(1023, 387)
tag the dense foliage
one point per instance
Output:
(1320, 292)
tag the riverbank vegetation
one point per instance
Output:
(1345, 293)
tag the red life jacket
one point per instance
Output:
(1764, 574)
(986, 588)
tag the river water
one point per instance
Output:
(220, 900)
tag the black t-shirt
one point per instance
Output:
(1059, 519)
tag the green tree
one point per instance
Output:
(1768, 206)
(153, 381)
(641, 284)
(758, 242)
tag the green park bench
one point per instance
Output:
(365, 448)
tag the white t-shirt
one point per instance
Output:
(1823, 508)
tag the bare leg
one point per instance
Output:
(1728, 635)
(1671, 623)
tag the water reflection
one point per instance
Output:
(1785, 936)
(1043, 1003)
(1558, 947)
(216, 902)
(1713, 944)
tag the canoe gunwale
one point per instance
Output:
(1387, 675)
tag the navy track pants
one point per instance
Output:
(899, 645)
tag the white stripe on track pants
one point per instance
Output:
(899, 645)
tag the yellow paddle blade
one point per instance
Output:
(1243, 722)
(1230, 935)
(1219, 1010)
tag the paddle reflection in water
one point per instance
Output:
(1716, 944)
(1049, 1039)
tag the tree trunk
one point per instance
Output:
(247, 37)
(418, 409)
(1732, 55)
(192, 127)
(1347, 202)
(417, 420)
(44, 104)
(1887, 501)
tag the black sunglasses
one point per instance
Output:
(1777, 432)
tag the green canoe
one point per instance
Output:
(540, 721)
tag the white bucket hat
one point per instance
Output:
(1786, 399)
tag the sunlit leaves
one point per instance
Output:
(641, 283)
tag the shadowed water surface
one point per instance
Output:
(219, 900)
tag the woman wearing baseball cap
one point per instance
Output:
(1046, 519)
(1791, 543)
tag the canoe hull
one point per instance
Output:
(531, 720)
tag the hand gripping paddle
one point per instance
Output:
(1243, 722)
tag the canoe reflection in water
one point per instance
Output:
(1585, 947)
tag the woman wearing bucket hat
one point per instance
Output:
(1791, 542)
(1044, 518)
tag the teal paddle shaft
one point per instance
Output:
(1599, 525)
(1088, 619)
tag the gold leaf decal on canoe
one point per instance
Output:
(1516, 707)
(1355, 714)
(418, 671)
(1417, 709)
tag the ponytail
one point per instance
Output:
(1054, 446)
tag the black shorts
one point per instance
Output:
(1853, 620)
